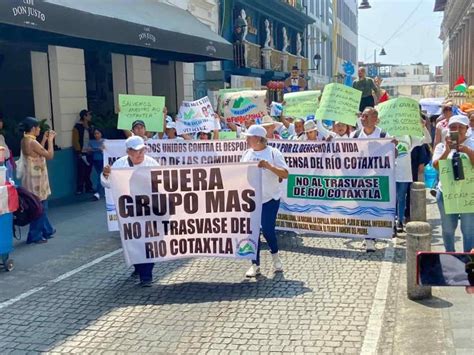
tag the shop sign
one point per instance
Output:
(27, 11)
(147, 37)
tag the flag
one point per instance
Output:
(460, 84)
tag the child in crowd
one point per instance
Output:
(96, 147)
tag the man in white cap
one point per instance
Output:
(135, 158)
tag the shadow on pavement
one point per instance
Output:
(435, 303)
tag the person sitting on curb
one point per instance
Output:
(135, 158)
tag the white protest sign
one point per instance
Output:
(173, 152)
(195, 116)
(168, 213)
(341, 188)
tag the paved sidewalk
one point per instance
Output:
(443, 324)
(332, 298)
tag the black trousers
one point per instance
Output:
(367, 101)
(84, 182)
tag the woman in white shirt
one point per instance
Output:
(443, 151)
(275, 170)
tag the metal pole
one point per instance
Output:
(418, 239)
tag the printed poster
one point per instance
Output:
(195, 116)
(168, 213)
(241, 106)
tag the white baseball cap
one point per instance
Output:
(461, 119)
(170, 125)
(256, 130)
(135, 143)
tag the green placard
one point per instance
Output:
(339, 103)
(400, 117)
(301, 104)
(149, 109)
(227, 135)
(458, 196)
(340, 188)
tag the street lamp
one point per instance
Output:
(364, 4)
(382, 52)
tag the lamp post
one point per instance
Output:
(382, 53)
(364, 4)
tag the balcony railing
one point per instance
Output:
(249, 55)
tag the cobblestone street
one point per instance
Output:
(320, 304)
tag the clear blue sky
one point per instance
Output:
(417, 40)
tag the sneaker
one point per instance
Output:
(277, 264)
(146, 283)
(433, 192)
(96, 196)
(399, 227)
(253, 271)
(369, 245)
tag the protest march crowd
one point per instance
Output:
(338, 162)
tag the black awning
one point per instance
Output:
(140, 23)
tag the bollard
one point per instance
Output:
(418, 202)
(418, 239)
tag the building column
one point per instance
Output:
(68, 90)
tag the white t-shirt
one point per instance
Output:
(374, 134)
(123, 163)
(405, 145)
(439, 150)
(285, 133)
(271, 186)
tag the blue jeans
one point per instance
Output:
(145, 271)
(449, 223)
(40, 228)
(99, 166)
(269, 214)
(402, 191)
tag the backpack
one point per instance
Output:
(30, 208)
(383, 133)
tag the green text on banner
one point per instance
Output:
(458, 196)
(301, 104)
(149, 109)
(168, 213)
(339, 103)
(400, 117)
(195, 116)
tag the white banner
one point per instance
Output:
(173, 152)
(342, 188)
(168, 213)
(195, 116)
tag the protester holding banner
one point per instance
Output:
(34, 175)
(275, 170)
(369, 120)
(445, 151)
(135, 158)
